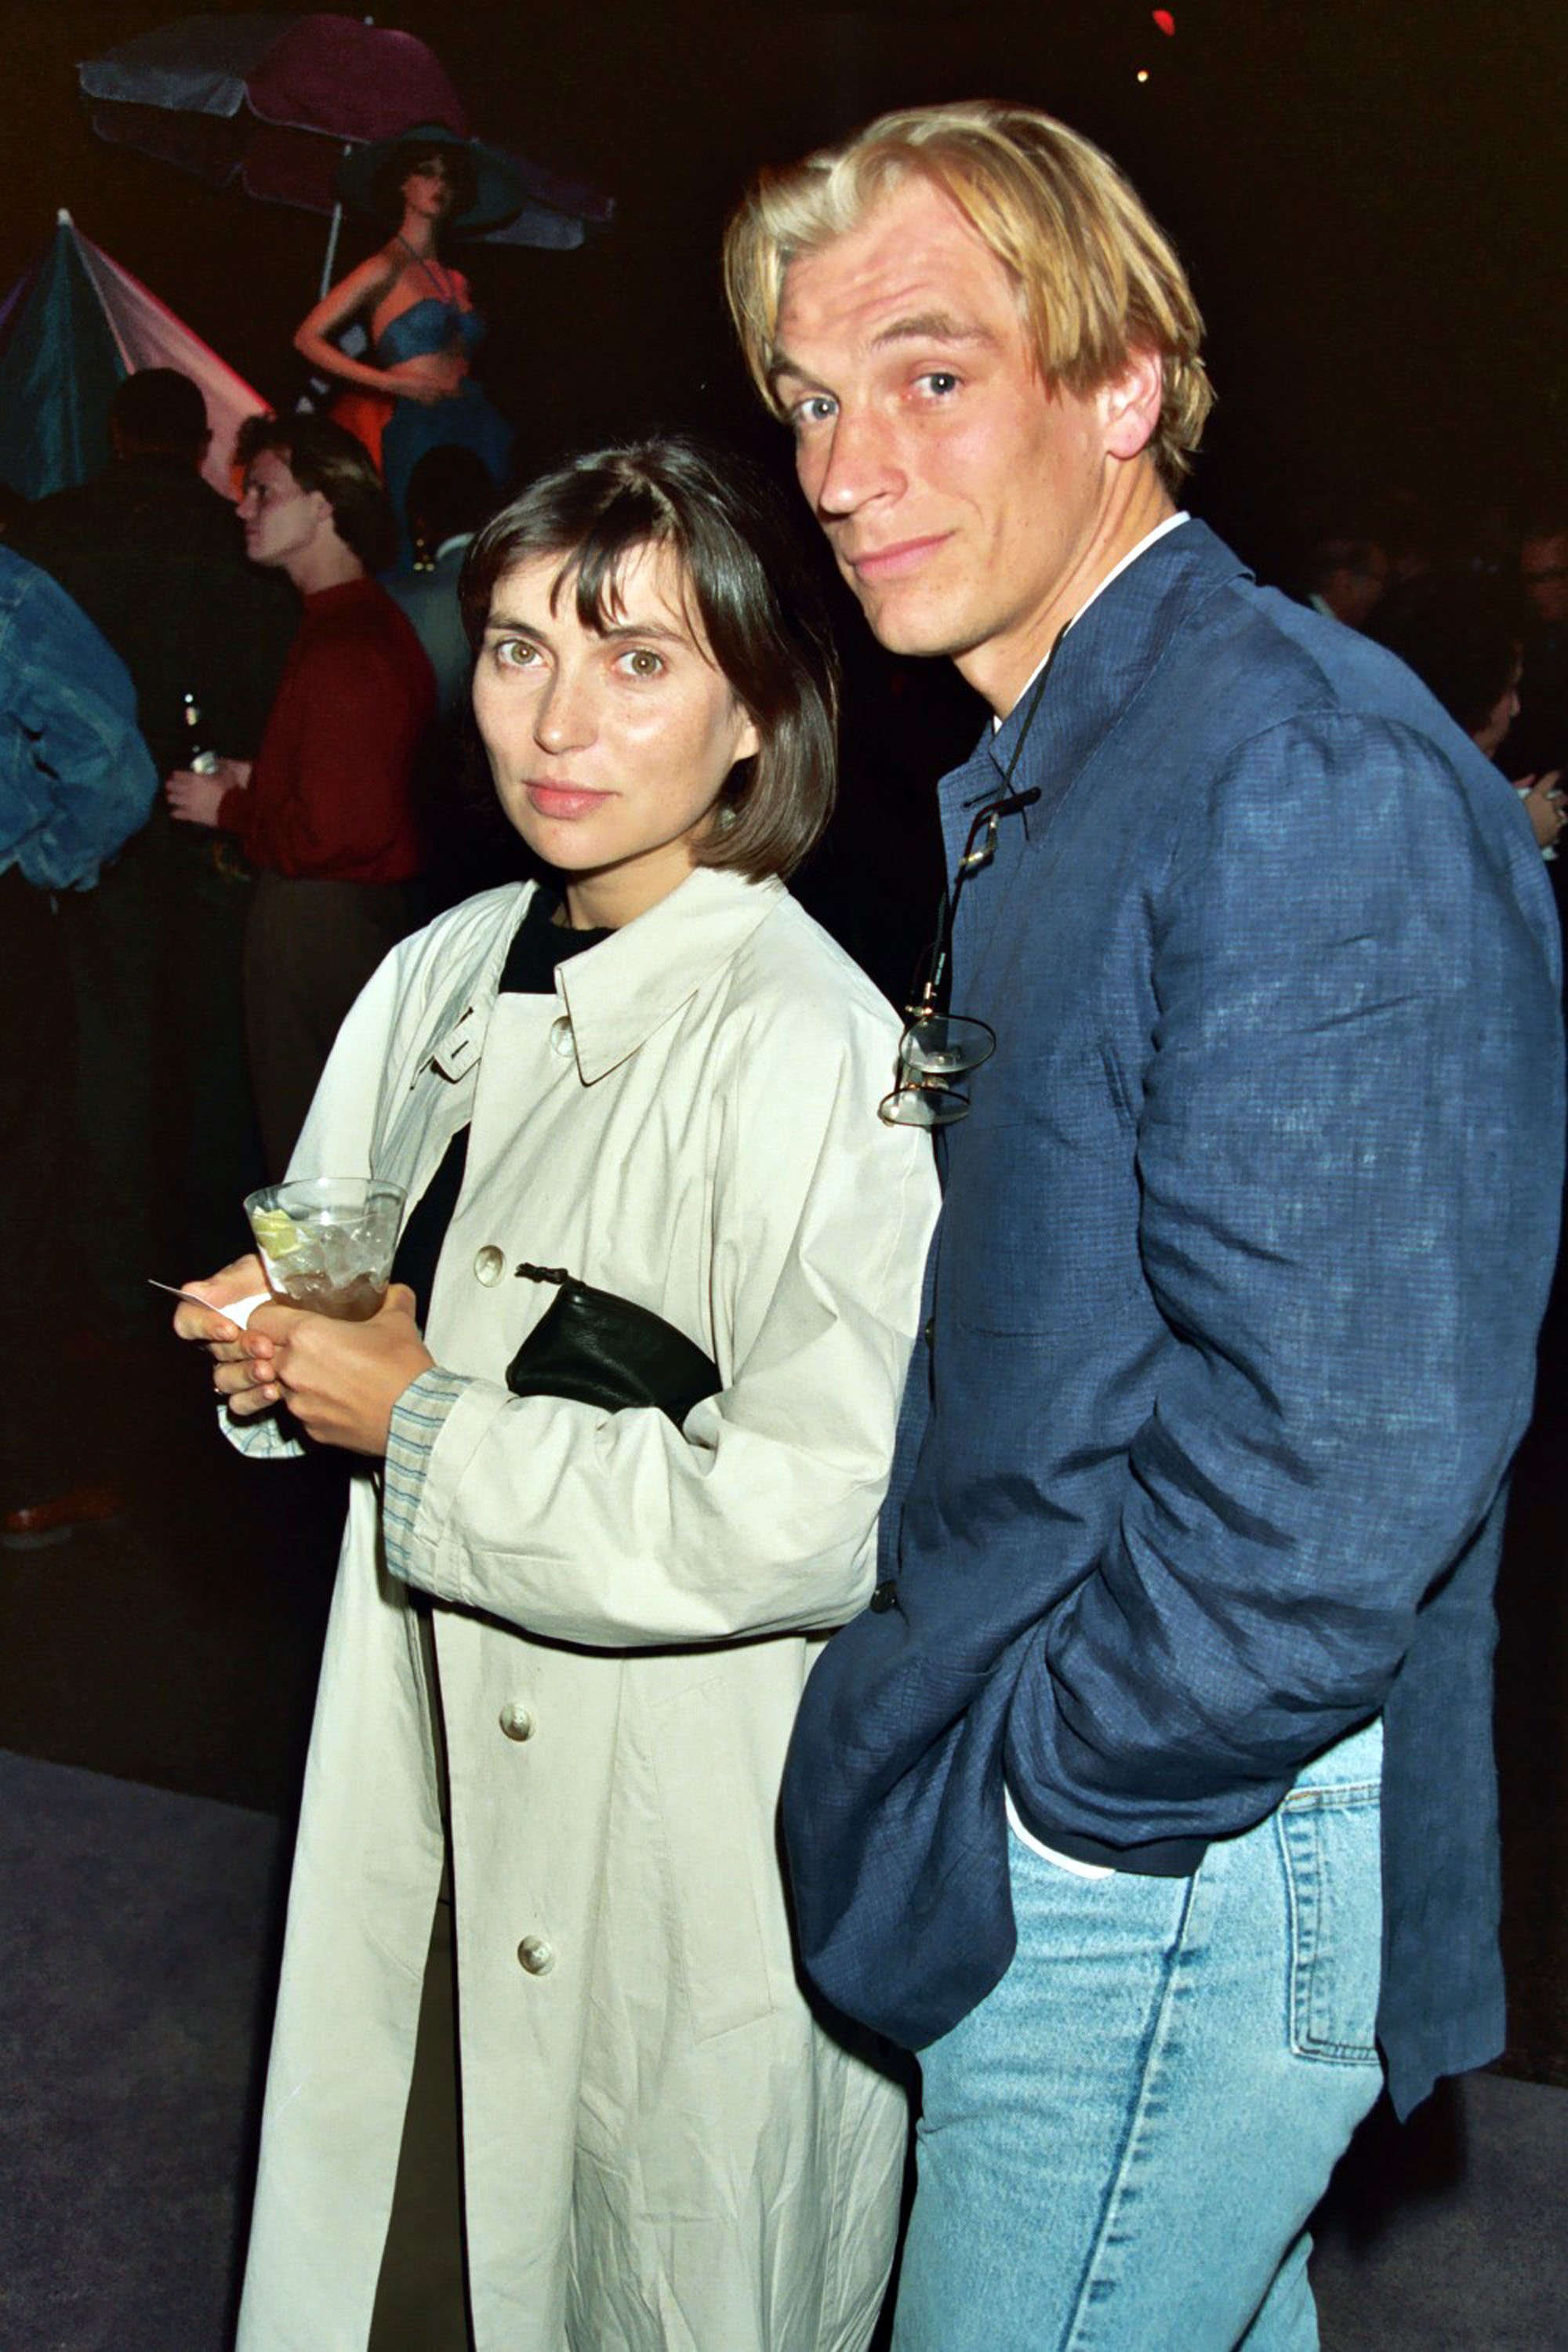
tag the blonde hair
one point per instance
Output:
(1095, 280)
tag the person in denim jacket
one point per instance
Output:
(1152, 1798)
(76, 781)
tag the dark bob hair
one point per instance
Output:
(322, 456)
(760, 609)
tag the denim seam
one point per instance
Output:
(1304, 2045)
(1099, 2283)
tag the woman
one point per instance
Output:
(592, 1628)
(415, 392)
(1461, 633)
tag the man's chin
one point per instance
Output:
(903, 628)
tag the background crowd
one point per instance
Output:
(153, 632)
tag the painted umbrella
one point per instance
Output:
(276, 102)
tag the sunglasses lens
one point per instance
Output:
(944, 1045)
(921, 1107)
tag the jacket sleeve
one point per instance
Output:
(92, 782)
(758, 1516)
(1349, 1153)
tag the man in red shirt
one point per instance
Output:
(328, 809)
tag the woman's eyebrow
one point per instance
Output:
(664, 630)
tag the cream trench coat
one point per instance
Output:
(664, 2151)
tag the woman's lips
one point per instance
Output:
(563, 800)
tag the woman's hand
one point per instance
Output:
(1542, 798)
(243, 1374)
(340, 1381)
(196, 798)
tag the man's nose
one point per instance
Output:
(858, 463)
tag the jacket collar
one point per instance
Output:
(1103, 661)
(618, 993)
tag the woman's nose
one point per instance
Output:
(563, 717)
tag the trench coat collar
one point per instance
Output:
(618, 993)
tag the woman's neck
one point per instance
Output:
(418, 234)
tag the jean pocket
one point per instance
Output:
(1331, 1842)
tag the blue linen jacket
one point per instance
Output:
(75, 777)
(1232, 1312)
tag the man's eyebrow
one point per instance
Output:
(918, 327)
(932, 327)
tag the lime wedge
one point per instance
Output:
(276, 1231)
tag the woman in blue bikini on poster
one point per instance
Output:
(415, 390)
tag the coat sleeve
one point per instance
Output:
(338, 1138)
(1348, 1155)
(759, 1516)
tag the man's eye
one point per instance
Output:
(815, 409)
(942, 381)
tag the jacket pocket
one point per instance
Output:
(1331, 1841)
(719, 1839)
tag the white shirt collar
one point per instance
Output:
(1115, 573)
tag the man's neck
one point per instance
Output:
(325, 564)
(1136, 503)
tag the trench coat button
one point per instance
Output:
(516, 1720)
(489, 1264)
(537, 1955)
(561, 1037)
(928, 1331)
(885, 1597)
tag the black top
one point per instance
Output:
(539, 944)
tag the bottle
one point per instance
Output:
(198, 758)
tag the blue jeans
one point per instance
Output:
(1120, 2147)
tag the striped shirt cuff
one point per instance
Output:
(417, 1420)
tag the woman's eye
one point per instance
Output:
(515, 653)
(641, 661)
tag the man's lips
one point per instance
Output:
(904, 555)
(562, 799)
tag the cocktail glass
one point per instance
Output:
(327, 1243)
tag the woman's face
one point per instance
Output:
(427, 190)
(1489, 735)
(610, 748)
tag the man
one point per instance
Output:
(1540, 738)
(154, 557)
(1347, 577)
(75, 782)
(450, 494)
(328, 810)
(1188, 1555)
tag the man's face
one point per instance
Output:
(281, 520)
(1544, 572)
(961, 496)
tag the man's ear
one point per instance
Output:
(1130, 403)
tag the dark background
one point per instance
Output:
(1368, 195)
